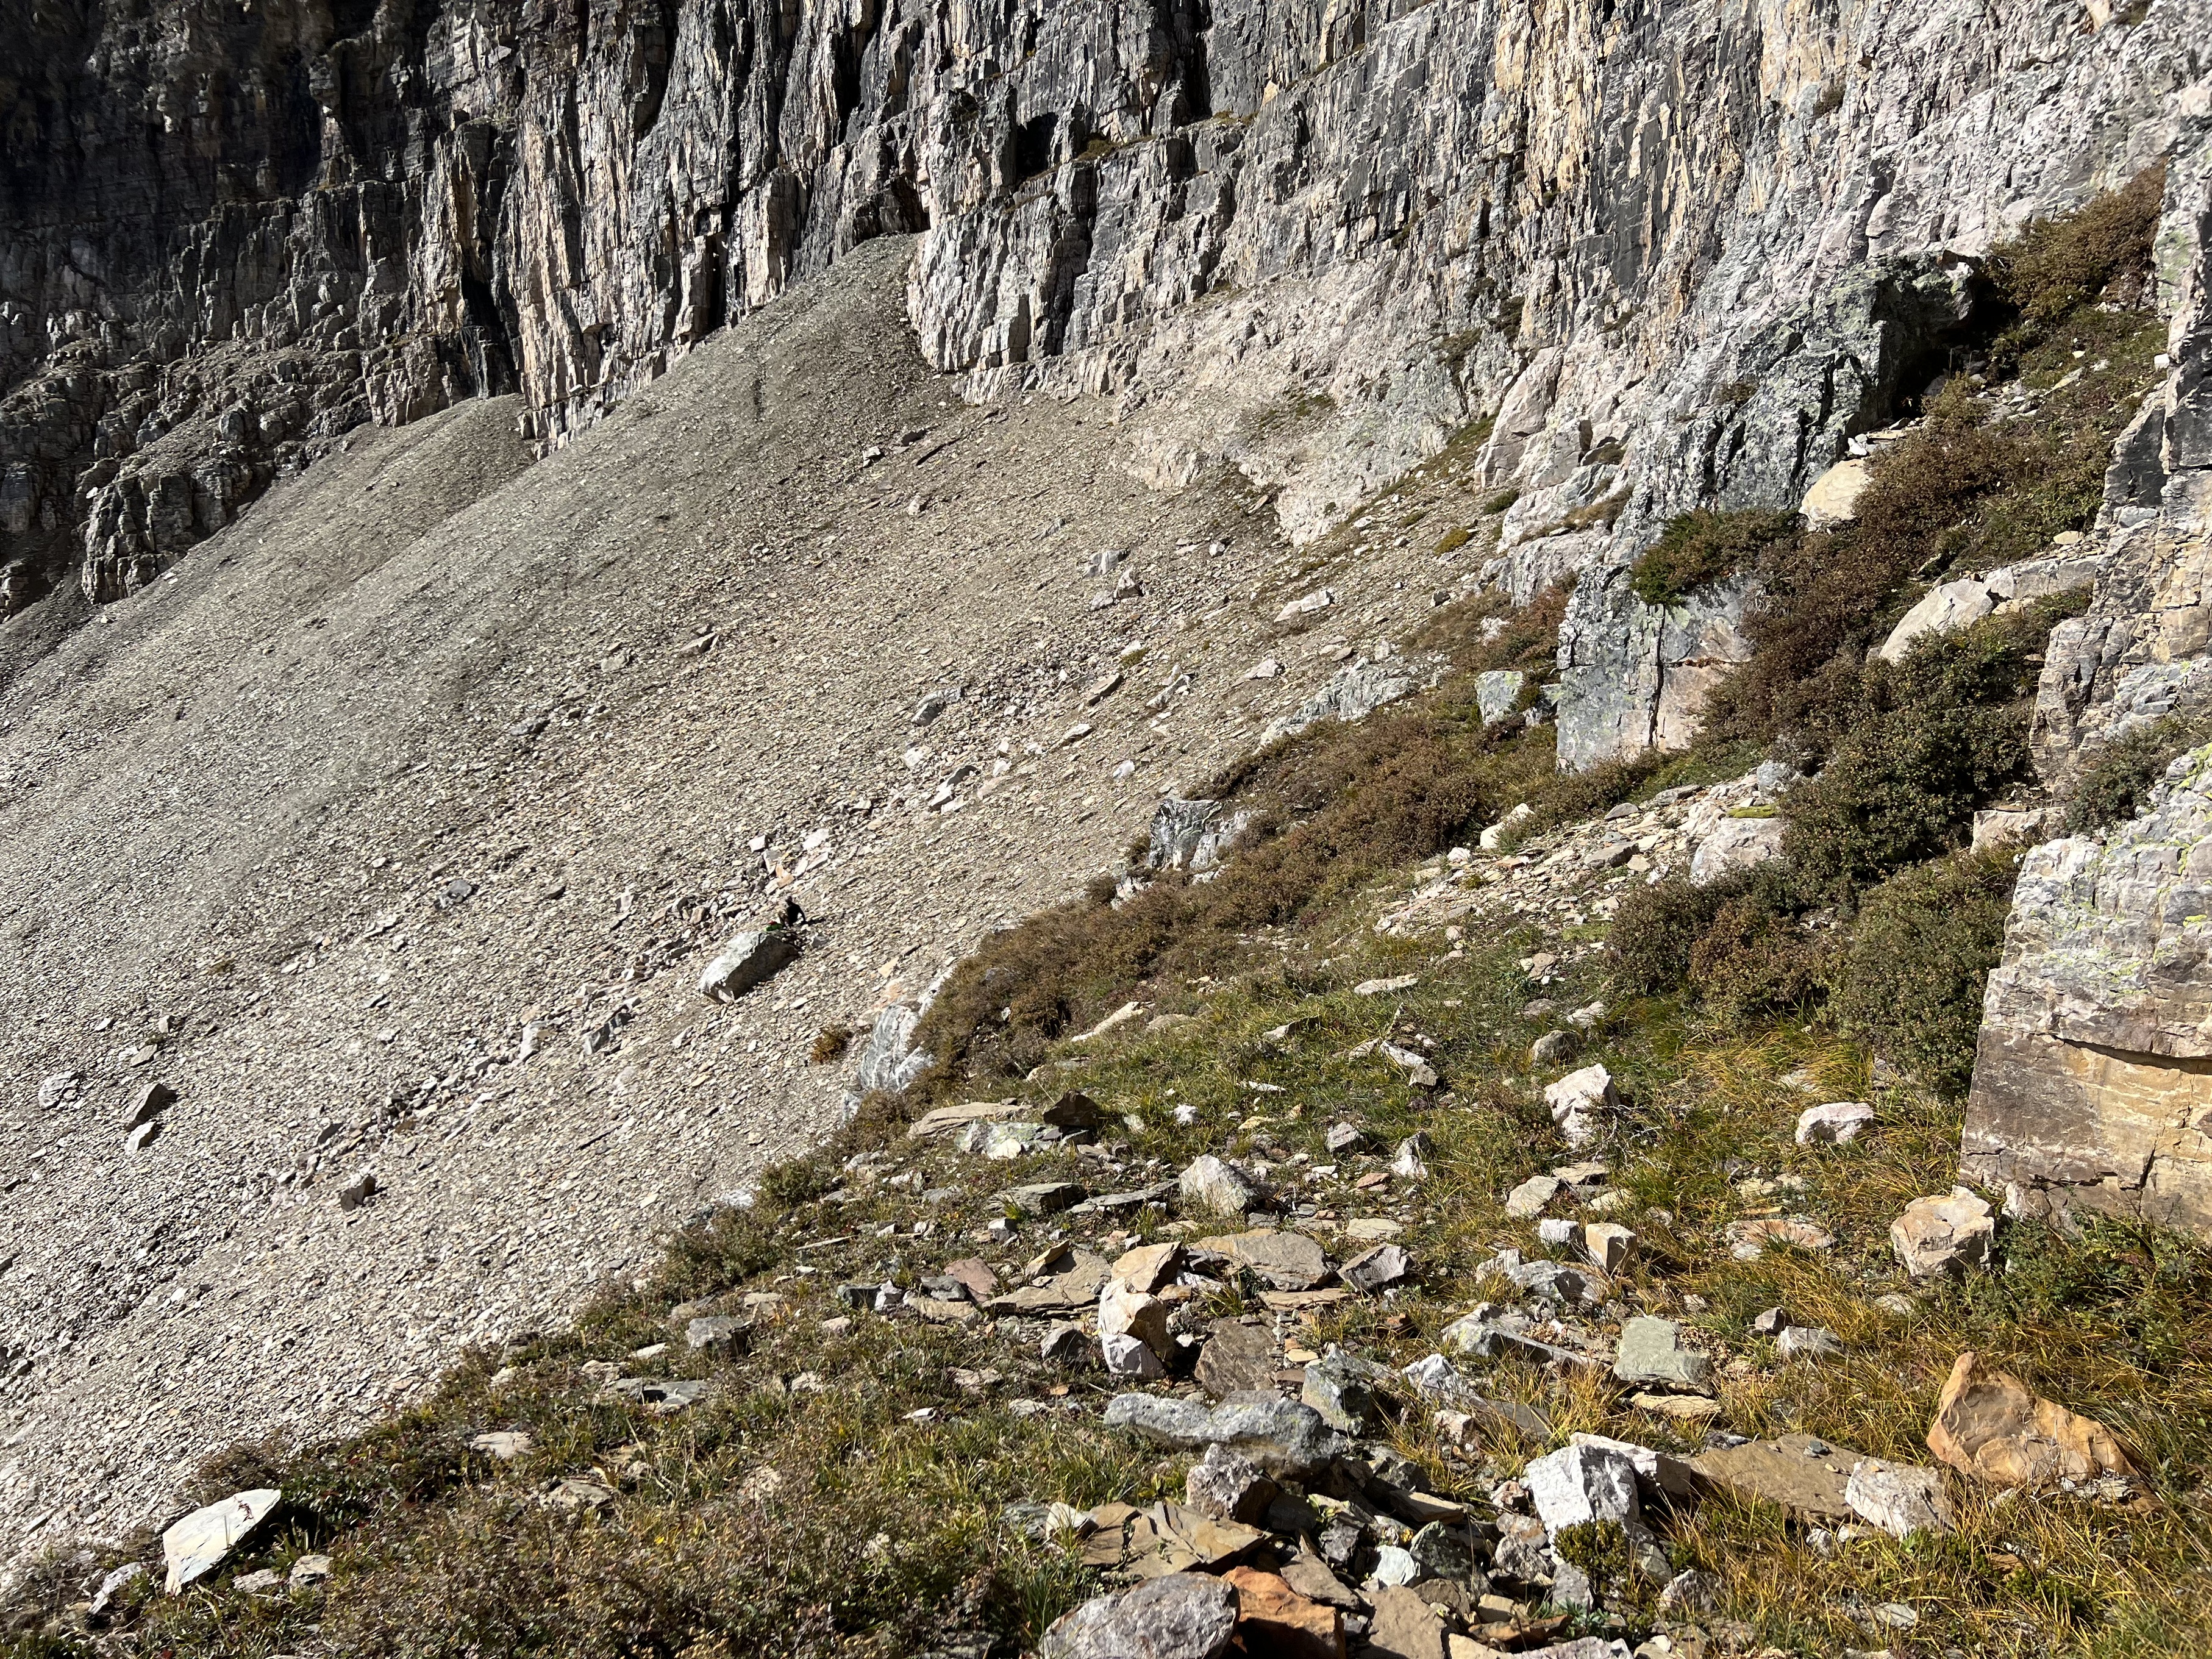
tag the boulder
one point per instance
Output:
(1578, 1102)
(1281, 1437)
(1736, 844)
(1992, 1425)
(749, 960)
(1497, 691)
(1342, 1390)
(1837, 1123)
(1961, 603)
(1950, 1233)
(2090, 1071)
(1834, 498)
(1214, 1186)
(1273, 1618)
(1651, 1352)
(196, 1546)
(1179, 1615)
(1237, 1358)
(1901, 1499)
(1578, 1484)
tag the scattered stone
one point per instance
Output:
(1066, 1345)
(196, 1546)
(1772, 1323)
(1404, 1627)
(1044, 1197)
(358, 1191)
(1342, 1389)
(1383, 988)
(1419, 1073)
(1130, 1356)
(1578, 1102)
(1749, 1240)
(1681, 1408)
(1694, 1591)
(1218, 1186)
(1180, 1615)
(310, 1571)
(141, 1137)
(1809, 1342)
(1379, 1269)
(1308, 1575)
(1148, 1266)
(1837, 1123)
(1901, 1499)
(1609, 1246)
(1800, 1471)
(1497, 691)
(504, 1444)
(715, 1332)
(264, 1583)
(1123, 1311)
(1651, 1352)
(1553, 1048)
(1950, 1234)
(663, 1395)
(1578, 1484)
(1287, 1261)
(1990, 1424)
(1556, 1230)
(149, 1102)
(749, 960)
(1114, 1022)
(1343, 1138)
(1531, 1196)
(1411, 1164)
(974, 1276)
(1225, 1487)
(1273, 1618)
(1236, 1358)
(1897, 1304)
(1283, 1438)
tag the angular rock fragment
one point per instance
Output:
(1578, 1484)
(196, 1546)
(1901, 1499)
(1651, 1352)
(1180, 1615)
(1609, 1246)
(1237, 1358)
(749, 959)
(1379, 1269)
(1272, 1618)
(1287, 1261)
(1343, 1390)
(1214, 1186)
(1990, 1424)
(1129, 1356)
(1224, 1485)
(1749, 1240)
(1801, 1472)
(1404, 1627)
(1951, 1233)
(1808, 1342)
(1579, 1102)
(1281, 1437)
(1837, 1123)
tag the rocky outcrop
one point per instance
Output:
(2093, 1075)
(1679, 254)
(2092, 1078)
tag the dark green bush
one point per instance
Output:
(1699, 549)
(2117, 783)
(1915, 748)
(2057, 265)
(1756, 958)
(1909, 981)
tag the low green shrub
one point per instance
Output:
(1699, 549)
(1909, 981)
(2057, 265)
(2116, 785)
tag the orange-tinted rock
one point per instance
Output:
(1990, 1424)
(1272, 1619)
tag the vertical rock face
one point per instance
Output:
(2092, 1078)
(1680, 251)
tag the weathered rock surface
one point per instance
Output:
(196, 1546)
(1990, 1424)
(1282, 1438)
(2091, 1070)
(1180, 1615)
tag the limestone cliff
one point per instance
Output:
(1679, 254)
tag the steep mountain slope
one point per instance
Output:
(440, 756)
